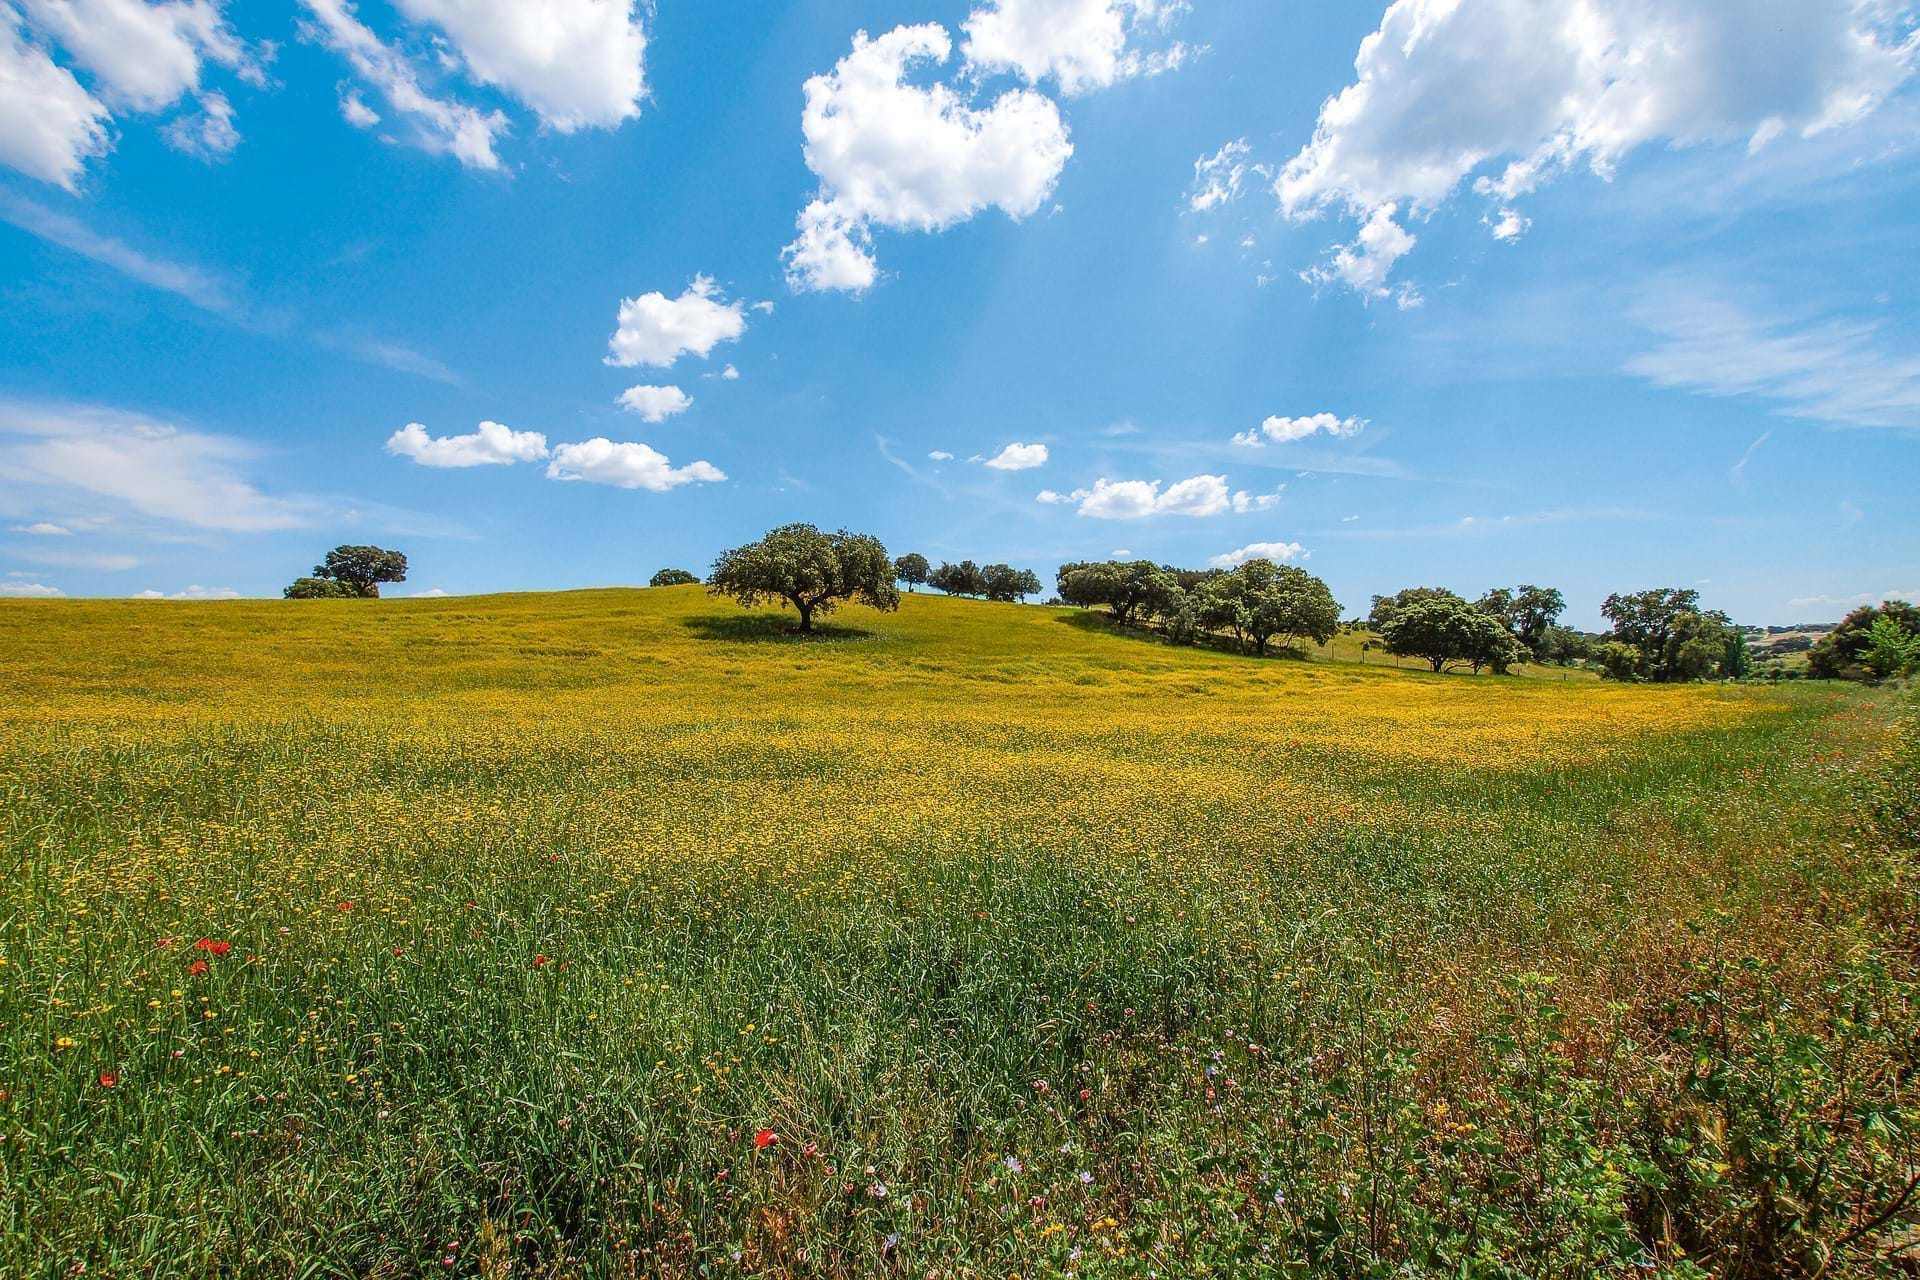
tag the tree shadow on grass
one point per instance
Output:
(768, 628)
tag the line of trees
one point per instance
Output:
(1660, 635)
(1664, 636)
(1504, 627)
(1874, 642)
(1258, 603)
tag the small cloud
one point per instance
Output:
(434, 593)
(1510, 227)
(29, 591)
(654, 329)
(940, 455)
(1278, 552)
(626, 465)
(1283, 430)
(357, 113)
(1051, 497)
(1348, 519)
(1136, 499)
(41, 529)
(1244, 502)
(1120, 553)
(490, 445)
(655, 404)
(1019, 457)
(195, 592)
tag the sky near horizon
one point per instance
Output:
(1598, 294)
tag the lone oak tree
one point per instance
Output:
(352, 571)
(672, 578)
(911, 569)
(808, 569)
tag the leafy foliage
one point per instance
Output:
(809, 570)
(672, 578)
(1663, 635)
(361, 570)
(1444, 629)
(911, 569)
(1844, 652)
(317, 589)
(1260, 601)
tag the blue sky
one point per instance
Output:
(1597, 295)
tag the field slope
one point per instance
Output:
(622, 933)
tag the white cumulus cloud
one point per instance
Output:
(49, 125)
(1511, 93)
(655, 404)
(1284, 430)
(577, 63)
(1278, 552)
(41, 529)
(489, 444)
(940, 455)
(29, 591)
(1079, 44)
(1019, 457)
(440, 125)
(1135, 499)
(905, 157)
(627, 465)
(654, 329)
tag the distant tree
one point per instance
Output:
(1260, 601)
(911, 569)
(1891, 649)
(808, 569)
(1491, 645)
(1737, 662)
(1841, 653)
(1003, 582)
(1673, 638)
(1562, 645)
(672, 578)
(359, 570)
(963, 579)
(1536, 611)
(1444, 631)
(317, 589)
(1127, 588)
(1385, 607)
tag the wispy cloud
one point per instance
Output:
(1838, 371)
(197, 286)
(390, 355)
(1475, 526)
(1737, 473)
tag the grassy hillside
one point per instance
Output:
(622, 933)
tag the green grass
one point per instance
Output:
(1097, 957)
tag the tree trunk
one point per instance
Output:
(806, 613)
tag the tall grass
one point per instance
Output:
(606, 934)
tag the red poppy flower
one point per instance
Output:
(765, 1138)
(108, 1079)
(197, 968)
(539, 960)
(345, 906)
(216, 948)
